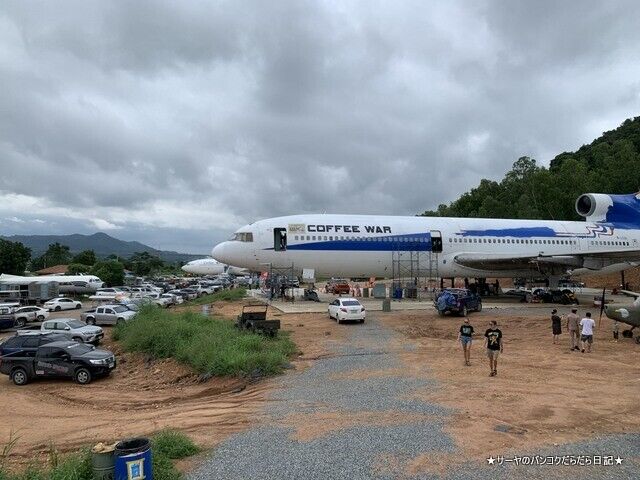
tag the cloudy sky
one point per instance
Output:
(174, 123)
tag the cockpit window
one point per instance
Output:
(242, 237)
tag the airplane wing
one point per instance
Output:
(593, 260)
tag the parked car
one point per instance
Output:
(62, 303)
(60, 359)
(32, 313)
(26, 345)
(342, 309)
(107, 315)
(78, 331)
(173, 299)
(159, 300)
(457, 300)
(338, 286)
(191, 293)
(7, 318)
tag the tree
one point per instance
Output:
(109, 271)
(86, 257)
(56, 254)
(14, 257)
(78, 268)
(143, 263)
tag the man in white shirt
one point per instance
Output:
(587, 324)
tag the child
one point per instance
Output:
(616, 329)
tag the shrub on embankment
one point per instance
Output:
(211, 346)
(221, 296)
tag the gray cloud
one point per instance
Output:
(177, 122)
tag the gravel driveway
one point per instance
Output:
(314, 429)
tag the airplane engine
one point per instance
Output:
(600, 207)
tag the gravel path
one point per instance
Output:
(373, 450)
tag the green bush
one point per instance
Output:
(223, 295)
(208, 345)
(173, 444)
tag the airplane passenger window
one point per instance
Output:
(313, 237)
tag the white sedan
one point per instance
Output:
(342, 309)
(31, 314)
(62, 303)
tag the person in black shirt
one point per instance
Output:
(464, 337)
(556, 325)
(494, 346)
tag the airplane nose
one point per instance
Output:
(219, 252)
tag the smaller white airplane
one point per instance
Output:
(67, 283)
(210, 266)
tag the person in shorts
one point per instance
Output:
(573, 326)
(465, 336)
(587, 324)
(556, 325)
(493, 337)
(616, 330)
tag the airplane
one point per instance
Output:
(66, 283)
(365, 245)
(209, 266)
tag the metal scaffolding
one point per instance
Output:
(414, 274)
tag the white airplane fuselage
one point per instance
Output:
(363, 245)
(66, 283)
(210, 266)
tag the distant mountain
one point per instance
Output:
(101, 243)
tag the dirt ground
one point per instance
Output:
(143, 396)
(544, 394)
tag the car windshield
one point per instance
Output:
(351, 303)
(75, 324)
(79, 348)
(120, 309)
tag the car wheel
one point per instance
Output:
(329, 312)
(77, 339)
(479, 309)
(91, 321)
(78, 306)
(82, 376)
(441, 313)
(40, 318)
(120, 321)
(338, 319)
(464, 311)
(21, 322)
(19, 377)
(58, 308)
(362, 321)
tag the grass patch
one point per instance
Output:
(209, 346)
(173, 444)
(166, 446)
(223, 295)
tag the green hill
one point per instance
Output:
(610, 164)
(101, 243)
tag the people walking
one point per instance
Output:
(465, 337)
(572, 326)
(587, 324)
(616, 330)
(493, 337)
(556, 325)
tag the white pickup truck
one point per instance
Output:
(77, 330)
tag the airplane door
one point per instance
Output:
(436, 241)
(279, 239)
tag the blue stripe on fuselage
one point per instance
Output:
(416, 241)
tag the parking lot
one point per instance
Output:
(393, 390)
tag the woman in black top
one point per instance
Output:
(556, 325)
(464, 337)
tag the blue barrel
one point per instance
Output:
(133, 459)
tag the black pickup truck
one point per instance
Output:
(69, 359)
